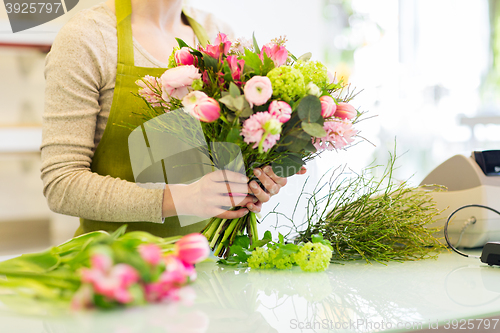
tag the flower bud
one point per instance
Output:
(345, 111)
(328, 106)
(184, 57)
(192, 248)
(313, 89)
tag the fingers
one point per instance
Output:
(268, 178)
(258, 192)
(302, 171)
(255, 207)
(233, 214)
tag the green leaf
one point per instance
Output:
(255, 44)
(234, 90)
(239, 103)
(288, 166)
(234, 136)
(181, 43)
(309, 109)
(317, 238)
(281, 238)
(292, 56)
(267, 66)
(228, 101)
(305, 57)
(288, 249)
(268, 235)
(310, 147)
(295, 142)
(243, 241)
(210, 62)
(314, 129)
(253, 60)
(119, 232)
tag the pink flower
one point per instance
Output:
(192, 248)
(280, 110)
(258, 90)
(184, 57)
(202, 107)
(221, 47)
(151, 253)
(339, 134)
(151, 90)
(277, 53)
(253, 131)
(177, 81)
(328, 106)
(236, 66)
(112, 282)
(331, 77)
(345, 111)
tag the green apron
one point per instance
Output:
(112, 154)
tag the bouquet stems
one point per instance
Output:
(221, 233)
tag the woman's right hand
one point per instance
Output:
(210, 196)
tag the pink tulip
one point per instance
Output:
(101, 262)
(280, 110)
(151, 253)
(202, 107)
(176, 82)
(192, 248)
(277, 53)
(258, 90)
(328, 106)
(184, 57)
(236, 66)
(345, 111)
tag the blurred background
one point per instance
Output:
(427, 73)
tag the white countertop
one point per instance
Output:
(354, 295)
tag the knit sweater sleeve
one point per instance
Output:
(78, 75)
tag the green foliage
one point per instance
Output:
(370, 219)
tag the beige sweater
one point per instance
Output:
(80, 79)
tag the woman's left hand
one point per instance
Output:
(271, 182)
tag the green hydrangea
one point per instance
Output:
(288, 83)
(313, 257)
(313, 71)
(259, 259)
(171, 59)
(270, 258)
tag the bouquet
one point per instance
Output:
(271, 107)
(106, 270)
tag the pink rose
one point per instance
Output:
(345, 111)
(177, 81)
(258, 90)
(192, 248)
(184, 57)
(328, 106)
(202, 107)
(280, 110)
(277, 53)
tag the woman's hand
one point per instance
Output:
(271, 182)
(209, 196)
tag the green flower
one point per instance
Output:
(313, 257)
(259, 259)
(288, 83)
(313, 71)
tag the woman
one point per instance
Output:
(90, 74)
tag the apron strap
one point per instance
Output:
(123, 10)
(124, 32)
